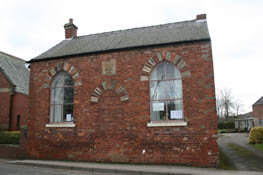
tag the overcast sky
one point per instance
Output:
(30, 27)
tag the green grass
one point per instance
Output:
(9, 137)
(226, 130)
(241, 151)
(258, 146)
(224, 162)
(252, 159)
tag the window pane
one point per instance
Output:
(158, 90)
(178, 88)
(172, 72)
(169, 89)
(56, 113)
(68, 113)
(153, 88)
(56, 95)
(68, 80)
(172, 89)
(158, 72)
(158, 110)
(58, 80)
(175, 109)
(166, 89)
(68, 94)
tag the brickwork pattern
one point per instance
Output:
(111, 85)
(109, 129)
(20, 106)
(257, 113)
(61, 67)
(5, 97)
(12, 104)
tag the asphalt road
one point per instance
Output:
(7, 169)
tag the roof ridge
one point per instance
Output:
(12, 56)
(129, 29)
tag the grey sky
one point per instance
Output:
(30, 27)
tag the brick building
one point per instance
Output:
(143, 95)
(14, 89)
(258, 112)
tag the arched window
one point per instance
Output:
(166, 92)
(62, 98)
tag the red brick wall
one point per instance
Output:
(20, 106)
(4, 102)
(257, 113)
(116, 131)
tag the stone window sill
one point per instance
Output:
(61, 125)
(164, 124)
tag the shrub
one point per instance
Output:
(7, 137)
(256, 135)
(226, 125)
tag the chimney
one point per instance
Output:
(70, 29)
(200, 16)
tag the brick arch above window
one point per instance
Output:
(63, 67)
(109, 85)
(150, 63)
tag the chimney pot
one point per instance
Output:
(70, 29)
(200, 16)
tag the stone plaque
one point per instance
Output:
(109, 67)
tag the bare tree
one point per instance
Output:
(225, 103)
(237, 105)
(219, 105)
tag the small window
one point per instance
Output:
(166, 93)
(260, 123)
(62, 98)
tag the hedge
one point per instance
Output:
(256, 135)
(9, 137)
(226, 125)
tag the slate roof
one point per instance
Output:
(16, 72)
(185, 31)
(259, 102)
(248, 115)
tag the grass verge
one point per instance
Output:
(241, 151)
(221, 131)
(224, 161)
(252, 160)
(258, 146)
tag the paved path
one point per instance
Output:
(13, 169)
(241, 163)
(131, 169)
(242, 139)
